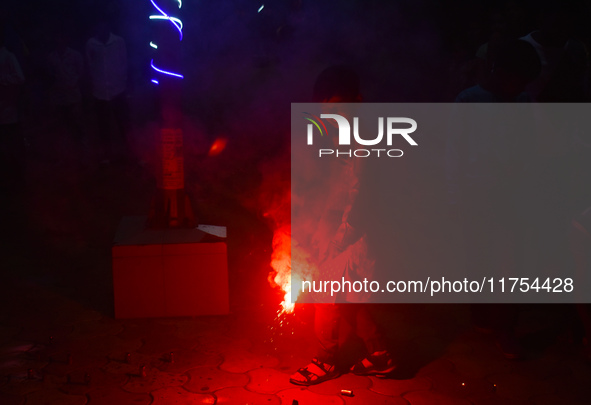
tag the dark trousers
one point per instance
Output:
(335, 324)
(72, 117)
(116, 108)
(493, 244)
(12, 157)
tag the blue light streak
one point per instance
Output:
(164, 71)
(173, 20)
(177, 22)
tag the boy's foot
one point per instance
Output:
(314, 373)
(378, 364)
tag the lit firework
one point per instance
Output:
(291, 265)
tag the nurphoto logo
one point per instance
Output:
(391, 126)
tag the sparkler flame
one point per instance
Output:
(291, 265)
(281, 264)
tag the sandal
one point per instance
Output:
(314, 373)
(378, 364)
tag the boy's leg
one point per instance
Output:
(368, 330)
(323, 365)
(379, 361)
(326, 328)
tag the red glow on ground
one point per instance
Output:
(217, 147)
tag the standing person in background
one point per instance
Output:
(106, 55)
(12, 144)
(67, 67)
(484, 186)
(564, 59)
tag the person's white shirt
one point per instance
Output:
(107, 63)
(11, 75)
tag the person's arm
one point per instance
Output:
(12, 81)
(124, 63)
(79, 67)
(457, 149)
(15, 76)
(87, 77)
(580, 249)
(88, 53)
(454, 166)
(350, 230)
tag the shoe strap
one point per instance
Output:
(321, 365)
